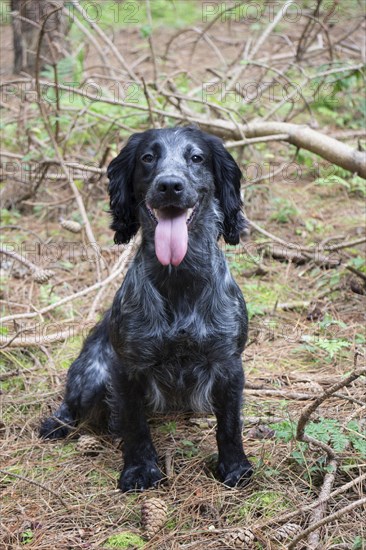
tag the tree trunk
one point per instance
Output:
(28, 19)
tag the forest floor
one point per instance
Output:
(307, 321)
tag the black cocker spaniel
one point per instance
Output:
(173, 339)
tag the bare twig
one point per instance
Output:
(308, 411)
(119, 267)
(300, 248)
(74, 296)
(151, 41)
(279, 253)
(91, 37)
(78, 197)
(280, 393)
(37, 484)
(238, 72)
(240, 143)
(18, 258)
(105, 38)
(20, 341)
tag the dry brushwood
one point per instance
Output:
(42, 275)
(88, 445)
(70, 225)
(153, 515)
(239, 538)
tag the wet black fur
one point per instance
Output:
(174, 335)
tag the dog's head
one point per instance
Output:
(166, 179)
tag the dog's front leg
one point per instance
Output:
(140, 469)
(233, 466)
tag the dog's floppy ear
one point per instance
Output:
(122, 199)
(227, 182)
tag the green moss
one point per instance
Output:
(124, 540)
(264, 503)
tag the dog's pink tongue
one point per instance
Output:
(171, 237)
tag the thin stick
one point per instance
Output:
(17, 341)
(18, 258)
(17, 476)
(63, 301)
(298, 247)
(241, 68)
(117, 269)
(99, 31)
(151, 42)
(92, 41)
(356, 272)
(78, 197)
(240, 143)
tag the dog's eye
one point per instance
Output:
(196, 159)
(147, 159)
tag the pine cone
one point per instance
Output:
(42, 275)
(153, 515)
(70, 225)
(239, 538)
(88, 445)
(288, 530)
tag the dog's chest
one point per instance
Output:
(179, 363)
(180, 340)
(181, 380)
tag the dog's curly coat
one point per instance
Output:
(177, 327)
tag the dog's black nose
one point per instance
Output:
(170, 187)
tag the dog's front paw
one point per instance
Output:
(235, 474)
(53, 428)
(140, 477)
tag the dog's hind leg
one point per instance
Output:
(86, 387)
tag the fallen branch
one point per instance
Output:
(300, 248)
(301, 136)
(308, 411)
(288, 306)
(303, 509)
(317, 517)
(280, 393)
(39, 275)
(298, 258)
(326, 520)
